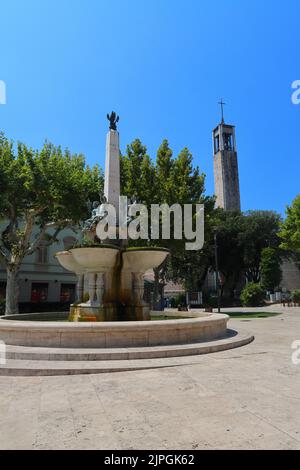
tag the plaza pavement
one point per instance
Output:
(247, 398)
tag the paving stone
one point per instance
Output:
(246, 398)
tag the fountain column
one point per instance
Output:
(138, 288)
(112, 169)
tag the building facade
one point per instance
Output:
(290, 276)
(42, 279)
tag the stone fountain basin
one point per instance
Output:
(140, 260)
(206, 327)
(66, 259)
(97, 259)
(100, 259)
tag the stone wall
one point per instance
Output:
(227, 180)
(290, 276)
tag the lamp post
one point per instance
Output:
(217, 268)
(188, 283)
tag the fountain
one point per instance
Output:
(108, 325)
(111, 275)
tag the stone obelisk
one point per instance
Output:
(112, 163)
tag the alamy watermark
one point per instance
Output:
(2, 92)
(157, 222)
(296, 353)
(296, 93)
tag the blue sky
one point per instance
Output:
(163, 66)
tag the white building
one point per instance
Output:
(42, 279)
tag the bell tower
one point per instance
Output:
(226, 173)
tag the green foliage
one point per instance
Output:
(187, 182)
(252, 295)
(241, 238)
(296, 296)
(229, 226)
(209, 300)
(46, 182)
(146, 248)
(41, 193)
(270, 267)
(90, 244)
(260, 230)
(169, 180)
(179, 299)
(138, 174)
(164, 173)
(290, 229)
(39, 188)
(252, 314)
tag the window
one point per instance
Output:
(67, 293)
(217, 143)
(228, 141)
(39, 292)
(69, 242)
(42, 253)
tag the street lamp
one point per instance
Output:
(217, 268)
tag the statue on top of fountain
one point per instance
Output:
(98, 213)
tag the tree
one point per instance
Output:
(139, 179)
(170, 180)
(41, 193)
(164, 172)
(241, 239)
(252, 295)
(270, 269)
(187, 181)
(229, 226)
(138, 173)
(290, 229)
(184, 185)
(260, 230)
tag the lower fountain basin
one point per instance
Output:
(112, 334)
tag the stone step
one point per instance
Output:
(48, 361)
(231, 340)
(42, 368)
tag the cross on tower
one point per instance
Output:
(221, 103)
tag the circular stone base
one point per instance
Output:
(206, 327)
(34, 361)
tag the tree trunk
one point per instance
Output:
(12, 290)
